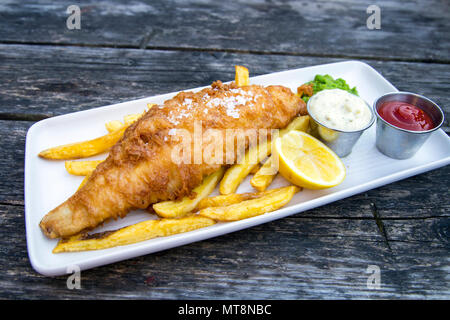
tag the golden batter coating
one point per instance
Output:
(140, 169)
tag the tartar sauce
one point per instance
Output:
(340, 110)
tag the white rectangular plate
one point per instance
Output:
(47, 184)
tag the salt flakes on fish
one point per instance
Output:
(230, 104)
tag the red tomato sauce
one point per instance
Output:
(405, 116)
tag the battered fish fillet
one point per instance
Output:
(140, 169)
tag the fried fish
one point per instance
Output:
(140, 169)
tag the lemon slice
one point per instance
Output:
(307, 162)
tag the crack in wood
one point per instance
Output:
(23, 116)
(380, 223)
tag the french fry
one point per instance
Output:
(255, 169)
(299, 123)
(251, 208)
(83, 149)
(113, 125)
(130, 118)
(241, 77)
(92, 147)
(134, 233)
(81, 168)
(176, 209)
(83, 182)
(229, 199)
(265, 175)
(237, 173)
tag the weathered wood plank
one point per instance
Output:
(285, 259)
(416, 197)
(413, 244)
(12, 156)
(322, 253)
(42, 81)
(412, 30)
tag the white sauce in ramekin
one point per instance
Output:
(340, 110)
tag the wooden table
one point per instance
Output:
(126, 51)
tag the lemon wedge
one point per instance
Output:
(307, 162)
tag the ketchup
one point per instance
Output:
(405, 116)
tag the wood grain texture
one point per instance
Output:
(128, 50)
(291, 258)
(411, 30)
(43, 81)
(12, 161)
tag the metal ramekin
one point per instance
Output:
(341, 142)
(400, 143)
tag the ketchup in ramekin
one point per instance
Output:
(405, 116)
(405, 121)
